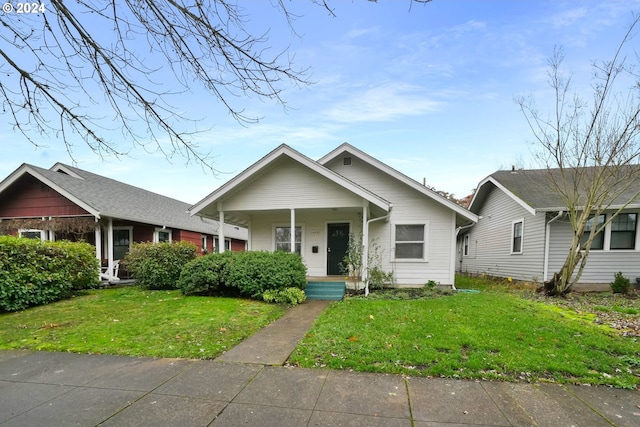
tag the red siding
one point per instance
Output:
(189, 236)
(28, 197)
(237, 245)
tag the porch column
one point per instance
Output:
(292, 236)
(98, 234)
(110, 247)
(248, 243)
(365, 243)
(221, 229)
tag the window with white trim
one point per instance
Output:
(623, 231)
(465, 245)
(227, 244)
(410, 241)
(204, 242)
(122, 238)
(282, 239)
(32, 234)
(162, 235)
(517, 232)
(598, 240)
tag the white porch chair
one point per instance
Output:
(108, 276)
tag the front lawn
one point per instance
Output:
(488, 335)
(134, 322)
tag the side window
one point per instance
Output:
(623, 231)
(517, 232)
(598, 240)
(409, 241)
(465, 245)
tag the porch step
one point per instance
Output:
(325, 291)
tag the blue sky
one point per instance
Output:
(429, 90)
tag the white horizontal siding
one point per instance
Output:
(288, 184)
(314, 226)
(409, 207)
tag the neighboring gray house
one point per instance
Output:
(523, 233)
(346, 191)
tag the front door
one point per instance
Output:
(337, 244)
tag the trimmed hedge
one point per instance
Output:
(158, 265)
(33, 272)
(247, 274)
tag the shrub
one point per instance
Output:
(158, 265)
(34, 272)
(290, 296)
(253, 273)
(620, 284)
(247, 274)
(204, 275)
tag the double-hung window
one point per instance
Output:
(623, 231)
(594, 223)
(410, 241)
(283, 239)
(517, 232)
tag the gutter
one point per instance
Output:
(546, 245)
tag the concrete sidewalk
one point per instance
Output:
(64, 389)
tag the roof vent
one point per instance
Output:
(346, 161)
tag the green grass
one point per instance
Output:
(133, 322)
(489, 335)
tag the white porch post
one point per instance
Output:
(98, 234)
(221, 229)
(248, 244)
(365, 244)
(292, 236)
(110, 247)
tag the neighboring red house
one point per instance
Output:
(72, 204)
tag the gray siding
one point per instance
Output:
(601, 264)
(490, 241)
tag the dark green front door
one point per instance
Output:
(337, 244)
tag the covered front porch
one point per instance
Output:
(321, 235)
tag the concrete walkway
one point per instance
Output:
(240, 388)
(274, 343)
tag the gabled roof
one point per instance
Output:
(532, 188)
(285, 150)
(106, 197)
(320, 168)
(348, 148)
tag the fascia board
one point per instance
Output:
(502, 188)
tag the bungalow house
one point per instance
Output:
(65, 202)
(523, 232)
(290, 202)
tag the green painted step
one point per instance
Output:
(333, 291)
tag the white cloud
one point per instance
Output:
(383, 103)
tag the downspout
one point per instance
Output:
(546, 245)
(386, 218)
